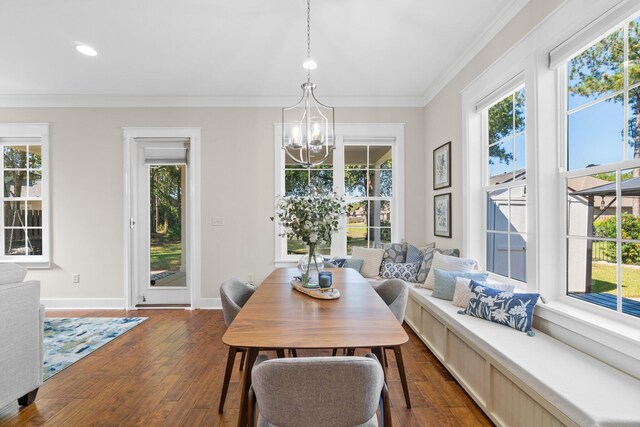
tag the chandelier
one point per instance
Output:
(308, 128)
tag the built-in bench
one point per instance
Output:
(520, 380)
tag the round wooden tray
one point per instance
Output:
(319, 293)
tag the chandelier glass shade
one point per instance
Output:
(308, 127)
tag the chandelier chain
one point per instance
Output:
(308, 38)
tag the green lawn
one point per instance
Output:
(165, 255)
(604, 280)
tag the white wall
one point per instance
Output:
(443, 117)
(237, 184)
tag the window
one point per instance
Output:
(365, 168)
(603, 171)
(505, 187)
(25, 196)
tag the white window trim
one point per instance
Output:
(613, 339)
(351, 134)
(38, 131)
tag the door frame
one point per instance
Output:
(194, 222)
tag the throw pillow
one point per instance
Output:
(12, 273)
(356, 264)
(447, 263)
(462, 292)
(414, 254)
(445, 282)
(404, 271)
(428, 252)
(506, 308)
(393, 252)
(372, 260)
(338, 262)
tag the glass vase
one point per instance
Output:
(310, 266)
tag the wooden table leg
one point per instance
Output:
(252, 354)
(403, 375)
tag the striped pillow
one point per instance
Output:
(447, 263)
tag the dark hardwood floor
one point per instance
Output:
(169, 370)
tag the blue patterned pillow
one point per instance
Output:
(444, 285)
(414, 254)
(504, 307)
(393, 252)
(338, 262)
(400, 270)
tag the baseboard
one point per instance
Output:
(210, 304)
(83, 303)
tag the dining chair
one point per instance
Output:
(233, 294)
(314, 391)
(395, 293)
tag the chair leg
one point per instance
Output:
(280, 353)
(351, 351)
(403, 377)
(28, 398)
(294, 352)
(334, 352)
(227, 376)
(384, 356)
(244, 354)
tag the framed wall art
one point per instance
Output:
(442, 215)
(442, 166)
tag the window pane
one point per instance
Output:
(34, 243)
(380, 157)
(355, 156)
(296, 181)
(35, 157)
(357, 214)
(15, 183)
(631, 278)
(498, 210)
(35, 184)
(592, 205)
(380, 184)
(356, 236)
(596, 72)
(498, 253)
(518, 210)
(324, 248)
(380, 213)
(34, 214)
(296, 247)
(14, 214)
(15, 157)
(379, 235)
(591, 269)
(501, 120)
(595, 134)
(520, 156)
(634, 51)
(322, 180)
(518, 253)
(501, 162)
(633, 144)
(519, 113)
(14, 241)
(355, 183)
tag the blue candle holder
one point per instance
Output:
(325, 279)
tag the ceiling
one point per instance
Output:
(247, 52)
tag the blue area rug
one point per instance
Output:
(67, 340)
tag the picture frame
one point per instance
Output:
(442, 215)
(442, 166)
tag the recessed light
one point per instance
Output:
(310, 64)
(86, 50)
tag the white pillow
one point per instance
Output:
(447, 263)
(371, 260)
(463, 292)
(11, 273)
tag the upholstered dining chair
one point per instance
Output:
(395, 293)
(318, 391)
(234, 294)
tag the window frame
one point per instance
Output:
(367, 134)
(31, 131)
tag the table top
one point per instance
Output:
(278, 316)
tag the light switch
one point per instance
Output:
(217, 221)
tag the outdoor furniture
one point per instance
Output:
(21, 336)
(279, 317)
(395, 293)
(318, 391)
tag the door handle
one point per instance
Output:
(132, 222)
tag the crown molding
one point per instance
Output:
(492, 29)
(114, 101)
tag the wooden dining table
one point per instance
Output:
(278, 317)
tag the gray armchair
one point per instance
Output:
(21, 338)
(318, 391)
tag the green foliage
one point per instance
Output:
(630, 231)
(166, 200)
(505, 118)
